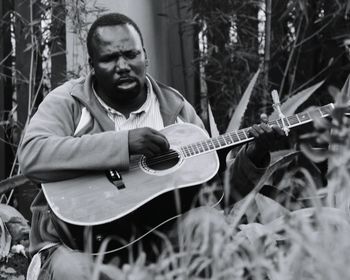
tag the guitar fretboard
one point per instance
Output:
(242, 136)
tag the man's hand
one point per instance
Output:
(265, 138)
(147, 141)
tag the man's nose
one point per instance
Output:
(122, 64)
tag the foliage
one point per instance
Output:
(307, 46)
(36, 45)
(303, 232)
(302, 237)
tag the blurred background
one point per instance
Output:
(208, 50)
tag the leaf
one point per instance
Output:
(214, 132)
(236, 119)
(247, 201)
(333, 91)
(268, 208)
(5, 240)
(278, 155)
(7, 213)
(289, 107)
(343, 97)
(15, 223)
(303, 8)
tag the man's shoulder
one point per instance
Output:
(69, 86)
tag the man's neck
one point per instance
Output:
(123, 106)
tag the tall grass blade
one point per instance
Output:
(236, 119)
(343, 97)
(292, 104)
(214, 132)
(245, 204)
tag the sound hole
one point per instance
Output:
(163, 162)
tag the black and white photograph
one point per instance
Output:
(174, 139)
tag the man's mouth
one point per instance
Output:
(126, 83)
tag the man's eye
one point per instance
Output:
(131, 54)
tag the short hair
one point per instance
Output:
(110, 19)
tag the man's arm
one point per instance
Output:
(49, 150)
(253, 159)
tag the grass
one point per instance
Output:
(306, 237)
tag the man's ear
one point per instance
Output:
(146, 57)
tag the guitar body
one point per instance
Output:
(94, 199)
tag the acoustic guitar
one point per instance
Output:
(103, 197)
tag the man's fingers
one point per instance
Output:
(260, 130)
(278, 131)
(161, 141)
(147, 141)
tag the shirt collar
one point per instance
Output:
(144, 108)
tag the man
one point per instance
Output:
(98, 122)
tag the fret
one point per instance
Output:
(304, 117)
(227, 139)
(297, 116)
(200, 147)
(279, 122)
(239, 139)
(185, 151)
(241, 134)
(293, 120)
(245, 134)
(232, 140)
(205, 146)
(234, 136)
(309, 116)
(221, 141)
(216, 143)
(211, 144)
(188, 150)
(192, 152)
(195, 148)
(285, 122)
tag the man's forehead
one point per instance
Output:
(112, 33)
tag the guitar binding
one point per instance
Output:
(162, 164)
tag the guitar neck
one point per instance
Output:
(242, 136)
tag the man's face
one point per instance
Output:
(119, 61)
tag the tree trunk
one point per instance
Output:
(58, 31)
(5, 90)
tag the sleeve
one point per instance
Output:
(244, 175)
(50, 152)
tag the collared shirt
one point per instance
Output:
(148, 115)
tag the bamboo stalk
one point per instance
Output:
(267, 52)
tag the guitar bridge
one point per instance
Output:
(115, 178)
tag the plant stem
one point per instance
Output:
(267, 51)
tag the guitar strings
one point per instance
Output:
(200, 146)
(157, 159)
